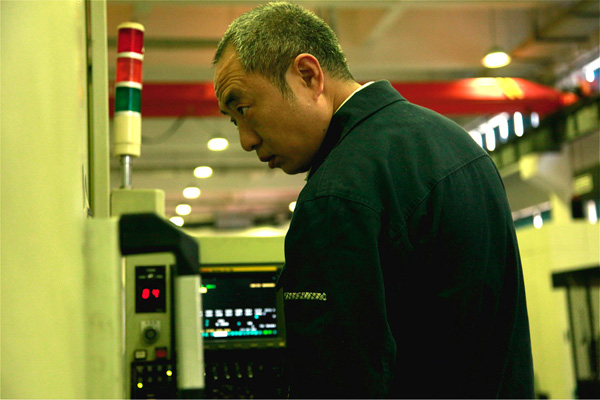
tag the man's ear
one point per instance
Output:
(307, 67)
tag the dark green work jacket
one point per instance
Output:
(403, 276)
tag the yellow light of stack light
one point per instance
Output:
(292, 206)
(183, 209)
(496, 58)
(203, 172)
(218, 144)
(191, 192)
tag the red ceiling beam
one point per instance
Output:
(475, 96)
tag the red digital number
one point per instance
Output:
(145, 294)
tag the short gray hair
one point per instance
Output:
(268, 38)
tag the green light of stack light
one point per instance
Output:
(128, 99)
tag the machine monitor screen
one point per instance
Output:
(240, 303)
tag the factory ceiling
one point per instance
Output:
(420, 44)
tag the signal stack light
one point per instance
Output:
(128, 95)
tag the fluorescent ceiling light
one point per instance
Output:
(218, 144)
(538, 221)
(535, 119)
(518, 122)
(591, 211)
(476, 135)
(177, 221)
(490, 138)
(496, 58)
(203, 172)
(183, 209)
(191, 192)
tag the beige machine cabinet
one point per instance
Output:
(163, 342)
(241, 249)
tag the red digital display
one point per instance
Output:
(150, 289)
(146, 293)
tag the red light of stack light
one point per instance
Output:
(130, 40)
(129, 70)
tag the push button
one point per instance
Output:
(140, 355)
(160, 352)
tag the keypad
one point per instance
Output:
(153, 379)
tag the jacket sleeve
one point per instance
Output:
(338, 338)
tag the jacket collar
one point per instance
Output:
(363, 104)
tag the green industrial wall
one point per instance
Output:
(556, 247)
(44, 167)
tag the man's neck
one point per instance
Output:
(341, 90)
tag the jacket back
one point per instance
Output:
(403, 276)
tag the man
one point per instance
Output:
(402, 276)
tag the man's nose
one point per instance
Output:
(248, 138)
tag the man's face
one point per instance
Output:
(284, 131)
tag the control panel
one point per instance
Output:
(242, 326)
(251, 373)
(150, 341)
(243, 331)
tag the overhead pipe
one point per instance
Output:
(540, 34)
(474, 96)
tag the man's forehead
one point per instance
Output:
(230, 91)
(227, 65)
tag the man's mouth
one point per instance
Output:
(270, 160)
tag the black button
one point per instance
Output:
(150, 334)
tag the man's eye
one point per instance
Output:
(242, 110)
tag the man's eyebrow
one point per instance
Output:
(231, 97)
